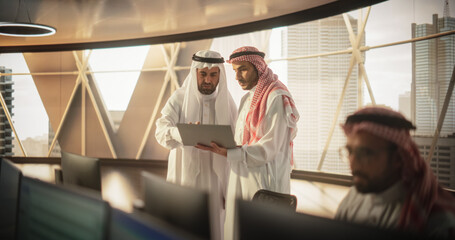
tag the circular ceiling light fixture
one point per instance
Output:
(25, 29)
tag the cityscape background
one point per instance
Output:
(411, 78)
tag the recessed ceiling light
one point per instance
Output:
(25, 29)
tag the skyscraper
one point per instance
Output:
(443, 161)
(316, 86)
(6, 137)
(404, 104)
(433, 63)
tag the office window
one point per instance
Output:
(312, 59)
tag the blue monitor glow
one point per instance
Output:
(142, 227)
(49, 211)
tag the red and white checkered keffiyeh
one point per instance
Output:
(267, 83)
(425, 196)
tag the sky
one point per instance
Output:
(29, 116)
(123, 58)
(389, 69)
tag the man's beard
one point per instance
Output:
(365, 187)
(206, 88)
(370, 185)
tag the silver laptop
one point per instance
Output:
(192, 134)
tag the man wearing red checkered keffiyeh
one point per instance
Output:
(393, 186)
(265, 128)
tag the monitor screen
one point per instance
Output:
(10, 177)
(141, 227)
(81, 171)
(261, 221)
(184, 207)
(48, 211)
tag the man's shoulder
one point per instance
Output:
(276, 95)
(280, 92)
(276, 92)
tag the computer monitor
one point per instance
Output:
(184, 207)
(10, 178)
(81, 171)
(262, 221)
(49, 211)
(142, 227)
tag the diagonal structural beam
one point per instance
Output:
(174, 53)
(170, 77)
(337, 113)
(355, 58)
(82, 66)
(84, 101)
(367, 83)
(10, 121)
(442, 115)
(355, 42)
(82, 73)
(65, 113)
(359, 76)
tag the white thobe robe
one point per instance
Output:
(380, 210)
(189, 166)
(184, 170)
(265, 164)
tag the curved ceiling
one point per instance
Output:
(83, 24)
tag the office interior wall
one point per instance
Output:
(55, 91)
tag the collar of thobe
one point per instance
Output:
(394, 193)
(251, 91)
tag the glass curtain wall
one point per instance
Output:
(315, 59)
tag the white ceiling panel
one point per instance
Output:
(84, 24)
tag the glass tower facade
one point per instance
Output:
(6, 136)
(433, 64)
(316, 85)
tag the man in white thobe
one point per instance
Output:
(205, 99)
(265, 128)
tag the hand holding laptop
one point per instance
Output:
(213, 148)
(205, 134)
